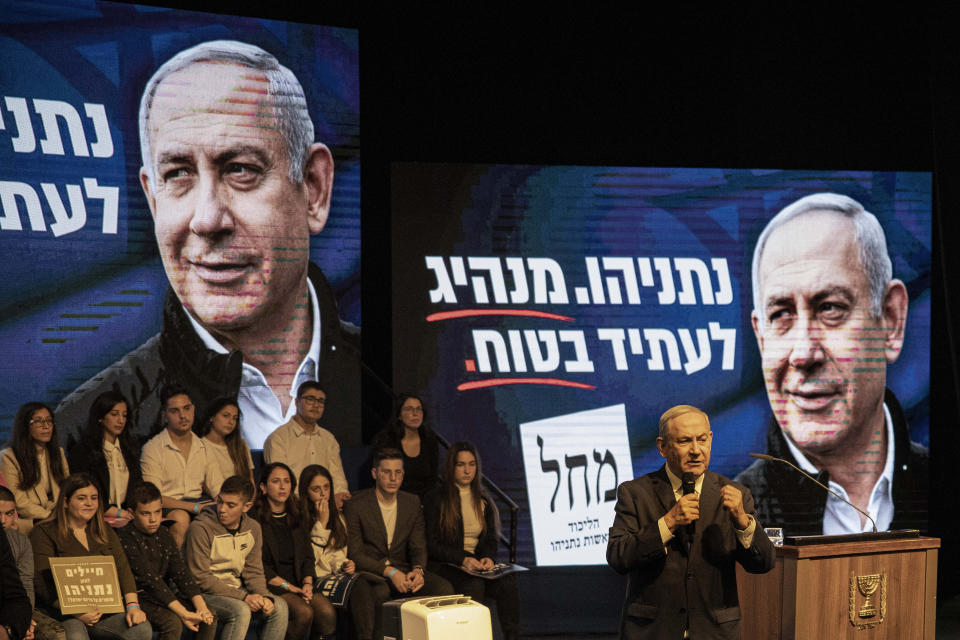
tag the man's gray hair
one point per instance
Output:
(868, 234)
(286, 98)
(674, 412)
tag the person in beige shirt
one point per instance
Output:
(33, 464)
(302, 441)
(176, 460)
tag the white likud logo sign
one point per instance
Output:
(573, 464)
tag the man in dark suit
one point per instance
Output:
(386, 534)
(678, 536)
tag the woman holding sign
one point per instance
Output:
(462, 530)
(76, 529)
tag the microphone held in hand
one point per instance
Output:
(688, 484)
(763, 456)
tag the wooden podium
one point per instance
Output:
(817, 592)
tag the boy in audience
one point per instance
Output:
(223, 552)
(175, 460)
(386, 534)
(22, 554)
(302, 441)
(157, 565)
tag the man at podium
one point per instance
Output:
(678, 534)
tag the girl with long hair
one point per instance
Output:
(462, 531)
(410, 432)
(76, 528)
(220, 430)
(328, 537)
(287, 559)
(106, 450)
(33, 464)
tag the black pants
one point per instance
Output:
(503, 591)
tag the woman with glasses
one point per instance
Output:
(106, 450)
(33, 464)
(410, 432)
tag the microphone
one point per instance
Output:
(688, 483)
(763, 456)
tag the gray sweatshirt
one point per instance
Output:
(225, 564)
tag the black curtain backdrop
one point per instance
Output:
(827, 87)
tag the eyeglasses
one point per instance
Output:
(42, 421)
(312, 400)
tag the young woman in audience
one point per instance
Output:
(220, 430)
(328, 537)
(287, 558)
(77, 528)
(107, 452)
(462, 530)
(33, 464)
(410, 432)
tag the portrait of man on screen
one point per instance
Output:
(829, 317)
(236, 186)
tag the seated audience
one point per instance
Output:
(411, 433)
(107, 452)
(76, 528)
(226, 448)
(159, 569)
(33, 464)
(287, 557)
(302, 441)
(176, 461)
(385, 533)
(328, 539)
(224, 551)
(462, 529)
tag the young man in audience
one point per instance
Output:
(302, 441)
(223, 552)
(16, 574)
(157, 566)
(386, 534)
(175, 460)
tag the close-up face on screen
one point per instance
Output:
(559, 311)
(181, 205)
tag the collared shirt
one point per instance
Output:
(839, 517)
(259, 405)
(179, 477)
(118, 472)
(296, 448)
(745, 537)
(218, 455)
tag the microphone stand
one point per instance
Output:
(763, 456)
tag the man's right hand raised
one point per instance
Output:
(685, 511)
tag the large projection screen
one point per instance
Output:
(83, 281)
(550, 314)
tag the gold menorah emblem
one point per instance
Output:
(866, 616)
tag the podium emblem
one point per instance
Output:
(868, 600)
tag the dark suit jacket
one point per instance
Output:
(787, 499)
(83, 457)
(16, 607)
(670, 590)
(367, 535)
(445, 549)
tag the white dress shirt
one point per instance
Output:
(259, 405)
(839, 517)
(179, 477)
(293, 446)
(118, 472)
